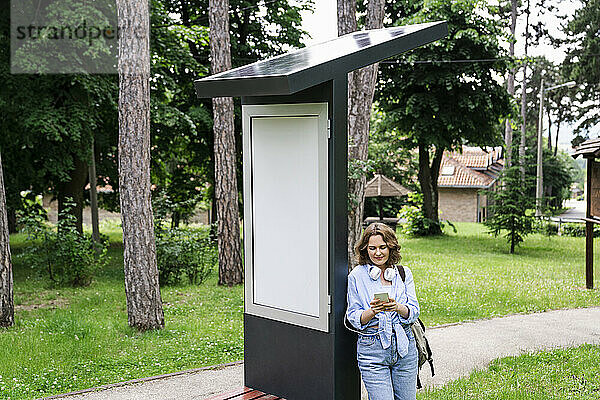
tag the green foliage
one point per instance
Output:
(31, 208)
(559, 171)
(574, 229)
(181, 126)
(582, 64)
(389, 151)
(185, 252)
(356, 170)
(441, 103)
(545, 227)
(61, 253)
(182, 136)
(49, 122)
(437, 104)
(172, 203)
(558, 177)
(390, 156)
(416, 223)
(508, 209)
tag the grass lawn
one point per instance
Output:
(67, 339)
(558, 374)
(471, 275)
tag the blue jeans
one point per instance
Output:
(385, 374)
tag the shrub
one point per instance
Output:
(544, 227)
(66, 256)
(577, 230)
(184, 252)
(508, 209)
(415, 222)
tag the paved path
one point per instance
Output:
(575, 212)
(458, 350)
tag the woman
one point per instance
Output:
(386, 351)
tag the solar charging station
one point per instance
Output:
(295, 151)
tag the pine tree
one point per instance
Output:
(361, 88)
(7, 307)
(508, 211)
(231, 271)
(144, 304)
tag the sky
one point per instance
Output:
(322, 26)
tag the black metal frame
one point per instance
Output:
(285, 359)
(292, 361)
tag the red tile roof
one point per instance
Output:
(476, 157)
(473, 168)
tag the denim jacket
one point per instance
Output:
(361, 290)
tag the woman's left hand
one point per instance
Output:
(391, 305)
(401, 309)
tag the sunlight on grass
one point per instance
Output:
(558, 374)
(471, 275)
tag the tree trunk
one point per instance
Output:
(175, 219)
(512, 245)
(94, 197)
(556, 138)
(72, 191)
(549, 126)
(226, 193)
(144, 304)
(7, 307)
(12, 220)
(524, 101)
(428, 176)
(212, 217)
(361, 87)
(508, 132)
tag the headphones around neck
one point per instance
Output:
(375, 273)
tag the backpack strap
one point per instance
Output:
(428, 349)
(401, 272)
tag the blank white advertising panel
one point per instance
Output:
(285, 213)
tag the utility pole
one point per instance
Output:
(540, 173)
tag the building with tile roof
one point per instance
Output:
(462, 178)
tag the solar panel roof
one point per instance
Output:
(303, 68)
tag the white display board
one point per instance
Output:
(285, 213)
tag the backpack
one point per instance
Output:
(418, 330)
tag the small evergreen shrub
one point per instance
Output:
(184, 253)
(509, 205)
(61, 253)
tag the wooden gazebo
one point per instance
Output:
(381, 186)
(590, 150)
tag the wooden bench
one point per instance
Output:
(245, 393)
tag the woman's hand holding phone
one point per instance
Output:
(391, 305)
(376, 306)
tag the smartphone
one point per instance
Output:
(384, 297)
